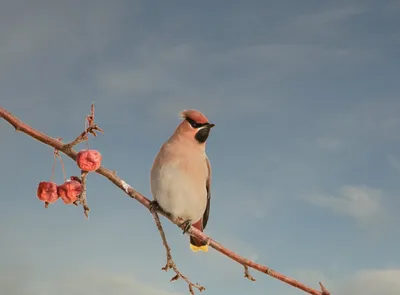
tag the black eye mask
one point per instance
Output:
(194, 124)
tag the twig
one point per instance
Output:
(247, 274)
(82, 197)
(83, 136)
(92, 128)
(110, 175)
(323, 289)
(170, 262)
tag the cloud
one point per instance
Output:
(254, 203)
(153, 69)
(327, 16)
(362, 203)
(277, 61)
(19, 281)
(330, 144)
(361, 282)
(99, 283)
(184, 76)
(373, 282)
(67, 30)
(312, 277)
(371, 121)
(394, 162)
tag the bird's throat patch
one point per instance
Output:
(202, 135)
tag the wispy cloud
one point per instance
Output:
(373, 282)
(43, 30)
(327, 16)
(330, 144)
(394, 162)
(242, 200)
(83, 282)
(364, 121)
(362, 203)
(311, 277)
(361, 282)
(97, 282)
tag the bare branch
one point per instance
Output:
(82, 198)
(324, 290)
(83, 136)
(247, 274)
(91, 128)
(131, 192)
(170, 263)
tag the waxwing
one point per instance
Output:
(181, 175)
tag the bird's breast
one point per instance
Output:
(180, 189)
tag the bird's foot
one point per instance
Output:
(154, 207)
(186, 226)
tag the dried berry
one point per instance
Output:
(88, 160)
(69, 191)
(47, 192)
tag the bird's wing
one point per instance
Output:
(208, 187)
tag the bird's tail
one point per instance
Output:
(197, 245)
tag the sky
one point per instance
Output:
(305, 153)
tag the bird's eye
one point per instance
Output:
(194, 124)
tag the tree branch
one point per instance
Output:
(82, 198)
(170, 263)
(91, 128)
(131, 192)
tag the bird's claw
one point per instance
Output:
(186, 226)
(154, 206)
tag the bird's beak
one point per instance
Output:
(210, 125)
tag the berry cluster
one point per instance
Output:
(49, 192)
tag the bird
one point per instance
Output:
(180, 177)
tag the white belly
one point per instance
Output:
(176, 194)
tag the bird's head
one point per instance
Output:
(195, 126)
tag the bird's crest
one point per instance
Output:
(194, 115)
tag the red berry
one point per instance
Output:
(69, 191)
(47, 192)
(88, 160)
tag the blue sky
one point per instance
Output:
(305, 152)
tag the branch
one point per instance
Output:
(92, 128)
(131, 192)
(82, 197)
(247, 274)
(170, 263)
